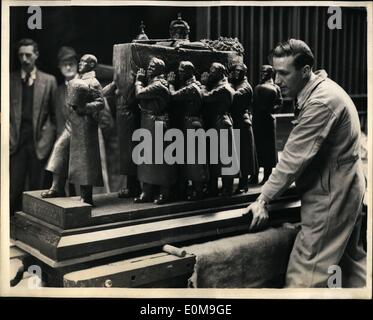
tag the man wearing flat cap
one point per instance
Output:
(68, 65)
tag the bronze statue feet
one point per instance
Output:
(212, 194)
(52, 194)
(88, 200)
(195, 196)
(253, 180)
(143, 198)
(240, 190)
(243, 187)
(226, 193)
(162, 199)
(127, 193)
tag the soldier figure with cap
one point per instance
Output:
(154, 97)
(187, 102)
(77, 147)
(217, 96)
(242, 120)
(267, 98)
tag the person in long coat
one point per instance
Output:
(128, 120)
(77, 148)
(242, 120)
(322, 156)
(217, 96)
(153, 100)
(187, 101)
(68, 65)
(267, 98)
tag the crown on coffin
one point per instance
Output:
(179, 29)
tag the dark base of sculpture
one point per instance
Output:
(62, 231)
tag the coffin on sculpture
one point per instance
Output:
(129, 57)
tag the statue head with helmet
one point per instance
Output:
(238, 72)
(266, 72)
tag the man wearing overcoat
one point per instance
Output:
(77, 149)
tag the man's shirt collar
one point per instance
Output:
(317, 77)
(88, 75)
(31, 78)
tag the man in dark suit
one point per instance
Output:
(32, 124)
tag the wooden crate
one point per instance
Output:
(160, 270)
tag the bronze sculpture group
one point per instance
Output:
(221, 99)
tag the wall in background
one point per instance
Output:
(91, 29)
(342, 53)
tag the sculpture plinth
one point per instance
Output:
(66, 213)
(116, 226)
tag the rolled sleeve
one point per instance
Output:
(304, 142)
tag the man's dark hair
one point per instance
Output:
(28, 42)
(293, 47)
(239, 65)
(222, 70)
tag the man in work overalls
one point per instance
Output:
(322, 157)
